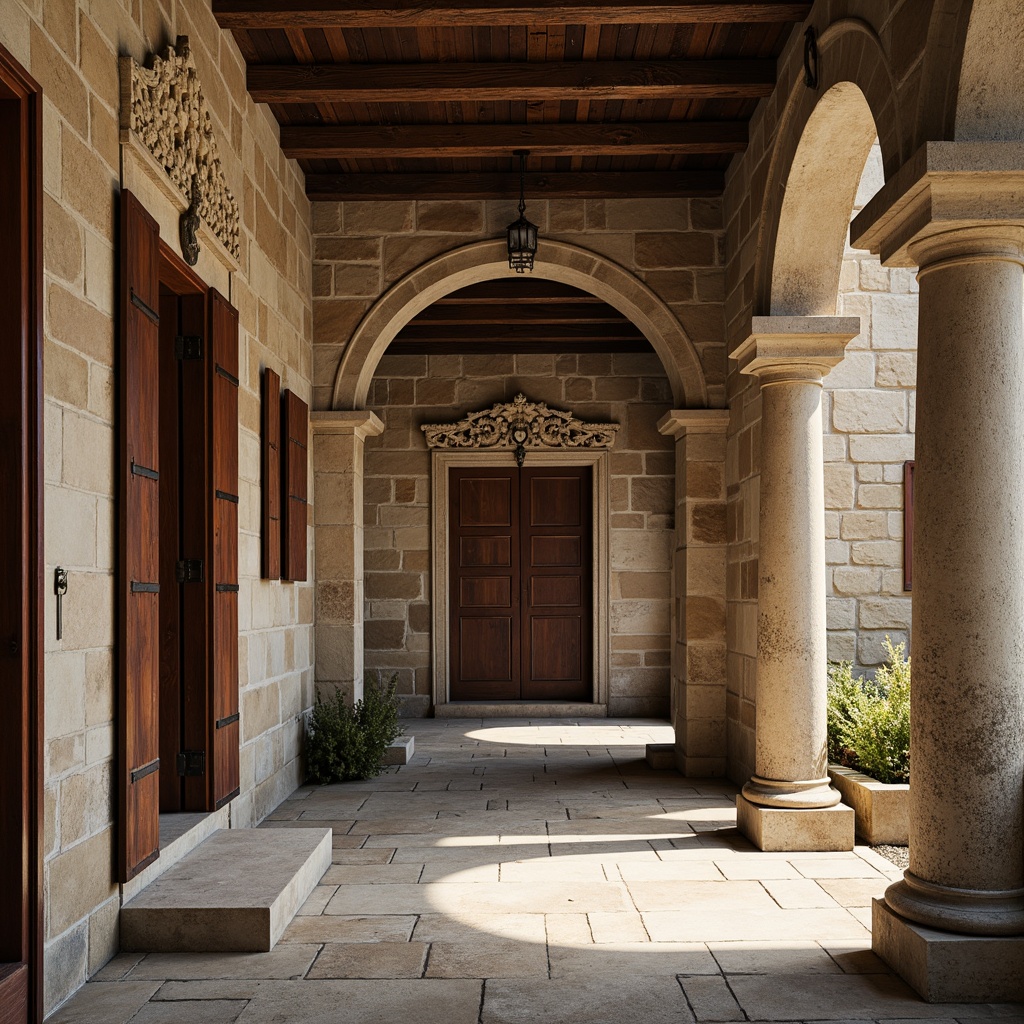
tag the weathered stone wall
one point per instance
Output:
(71, 48)
(631, 390)
(362, 249)
(868, 413)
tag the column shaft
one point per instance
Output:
(967, 710)
(791, 628)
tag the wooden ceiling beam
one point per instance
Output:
(282, 14)
(458, 141)
(499, 348)
(508, 331)
(561, 185)
(525, 313)
(494, 82)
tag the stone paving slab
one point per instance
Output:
(541, 874)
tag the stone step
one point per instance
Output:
(237, 891)
(519, 709)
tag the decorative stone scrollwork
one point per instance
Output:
(163, 106)
(520, 424)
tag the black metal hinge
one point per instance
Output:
(189, 570)
(192, 762)
(188, 346)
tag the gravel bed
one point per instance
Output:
(897, 854)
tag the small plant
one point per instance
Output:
(346, 742)
(869, 720)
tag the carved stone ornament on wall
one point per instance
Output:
(163, 106)
(520, 425)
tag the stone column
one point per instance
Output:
(955, 213)
(789, 804)
(338, 546)
(698, 591)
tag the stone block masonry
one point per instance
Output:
(629, 389)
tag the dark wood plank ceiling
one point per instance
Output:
(518, 315)
(417, 100)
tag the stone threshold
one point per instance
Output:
(519, 709)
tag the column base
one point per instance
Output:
(784, 829)
(947, 967)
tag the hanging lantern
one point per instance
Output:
(522, 235)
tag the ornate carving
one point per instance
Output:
(163, 106)
(520, 424)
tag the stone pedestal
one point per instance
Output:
(698, 590)
(783, 829)
(945, 967)
(790, 356)
(955, 212)
(338, 542)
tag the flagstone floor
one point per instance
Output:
(539, 872)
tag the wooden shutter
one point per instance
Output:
(294, 468)
(271, 459)
(222, 764)
(138, 597)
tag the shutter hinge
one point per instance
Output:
(192, 762)
(189, 570)
(188, 346)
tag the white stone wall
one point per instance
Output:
(868, 412)
(71, 48)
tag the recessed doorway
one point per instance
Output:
(521, 583)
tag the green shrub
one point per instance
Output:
(345, 742)
(869, 720)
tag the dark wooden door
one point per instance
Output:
(521, 584)
(21, 763)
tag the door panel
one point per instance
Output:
(139, 598)
(520, 584)
(557, 573)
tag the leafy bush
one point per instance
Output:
(869, 720)
(345, 742)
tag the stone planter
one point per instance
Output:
(882, 809)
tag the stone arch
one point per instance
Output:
(484, 261)
(990, 98)
(822, 145)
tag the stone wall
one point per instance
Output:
(631, 390)
(71, 48)
(868, 414)
(675, 246)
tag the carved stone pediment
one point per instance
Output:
(163, 107)
(536, 424)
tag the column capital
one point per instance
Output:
(795, 348)
(679, 422)
(950, 200)
(362, 423)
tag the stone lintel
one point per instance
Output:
(947, 967)
(791, 830)
(944, 187)
(679, 422)
(797, 347)
(361, 422)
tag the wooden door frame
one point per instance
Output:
(21, 763)
(441, 462)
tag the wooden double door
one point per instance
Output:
(521, 584)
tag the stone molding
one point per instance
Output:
(487, 261)
(163, 108)
(441, 462)
(795, 348)
(679, 422)
(493, 428)
(362, 423)
(950, 200)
